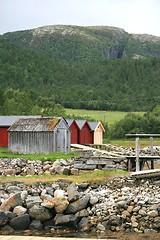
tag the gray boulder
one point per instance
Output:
(113, 221)
(12, 202)
(93, 199)
(32, 200)
(59, 204)
(13, 189)
(3, 219)
(7, 228)
(49, 224)
(19, 210)
(24, 195)
(82, 213)
(69, 220)
(63, 170)
(40, 213)
(83, 225)
(10, 214)
(36, 225)
(78, 205)
(20, 222)
(100, 227)
(73, 194)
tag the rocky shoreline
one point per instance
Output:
(122, 204)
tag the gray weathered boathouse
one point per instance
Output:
(39, 135)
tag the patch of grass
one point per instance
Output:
(144, 142)
(4, 153)
(96, 176)
(101, 175)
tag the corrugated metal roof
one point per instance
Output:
(93, 125)
(69, 121)
(35, 124)
(80, 123)
(7, 121)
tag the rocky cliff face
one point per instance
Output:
(86, 44)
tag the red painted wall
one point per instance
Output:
(86, 136)
(74, 132)
(3, 137)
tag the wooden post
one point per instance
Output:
(137, 155)
(151, 145)
(129, 165)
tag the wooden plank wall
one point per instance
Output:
(32, 142)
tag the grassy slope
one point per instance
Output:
(104, 116)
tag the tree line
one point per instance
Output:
(118, 84)
(133, 123)
(15, 102)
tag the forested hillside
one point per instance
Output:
(86, 44)
(119, 84)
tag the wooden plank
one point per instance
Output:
(9, 237)
(43, 238)
(146, 173)
(151, 144)
(144, 157)
(83, 147)
(129, 164)
(142, 135)
(99, 161)
(137, 155)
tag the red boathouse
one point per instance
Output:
(85, 132)
(5, 123)
(74, 130)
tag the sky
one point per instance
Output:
(134, 16)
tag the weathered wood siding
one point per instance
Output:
(32, 142)
(74, 133)
(42, 141)
(85, 136)
(98, 135)
(62, 137)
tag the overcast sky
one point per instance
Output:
(134, 16)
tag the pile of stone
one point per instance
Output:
(90, 160)
(121, 204)
(74, 166)
(23, 167)
(121, 150)
(42, 207)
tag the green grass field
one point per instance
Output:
(5, 153)
(144, 142)
(103, 116)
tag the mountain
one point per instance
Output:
(86, 44)
(124, 84)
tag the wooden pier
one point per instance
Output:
(141, 160)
